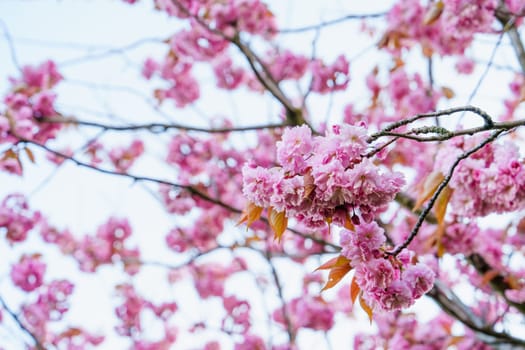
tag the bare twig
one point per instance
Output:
(18, 321)
(158, 127)
(440, 188)
(10, 43)
(289, 327)
(331, 22)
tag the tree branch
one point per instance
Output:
(331, 22)
(156, 127)
(15, 317)
(438, 191)
(452, 305)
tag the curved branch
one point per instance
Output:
(452, 305)
(440, 188)
(488, 122)
(294, 115)
(192, 190)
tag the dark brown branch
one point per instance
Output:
(158, 127)
(498, 283)
(294, 115)
(192, 190)
(286, 316)
(15, 317)
(452, 305)
(488, 122)
(440, 188)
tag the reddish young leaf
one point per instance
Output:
(30, 155)
(433, 13)
(334, 262)
(349, 225)
(354, 290)
(366, 307)
(278, 222)
(339, 267)
(428, 188)
(250, 214)
(440, 208)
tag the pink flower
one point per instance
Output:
(465, 65)
(293, 149)
(123, 158)
(420, 279)
(363, 244)
(149, 67)
(28, 274)
(228, 77)
(329, 78)
(395, 297)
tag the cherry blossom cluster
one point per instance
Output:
(31, 98)
(129, 313)
(323, 178)
(107, 246)
(16, 218)
(123, 158)
(50, 305)
(329, 78)
(307, 311)
(28, 273)
(492, 180)
(391, 283)
(446, 27)
(399, 330)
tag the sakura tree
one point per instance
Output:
(353, 181)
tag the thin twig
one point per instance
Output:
(11, 45)
(286, 316)
(158, 127)
(331, 22)
(445, 112)
(440, 188)
(15, 317)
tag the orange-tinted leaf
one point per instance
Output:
(71, 332)
(433, 13)
(448, 92)
(488, 276)
(250, 214)
(349, 225)
(30, 155)
(354, 290)
(309, 185)
(334, 262)
(366, 307)
(278, 222)
(440, 208)
(440, 249)
(429, 188)
(10, 154)
(455, 340)
(338, 267)
(513, 281)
